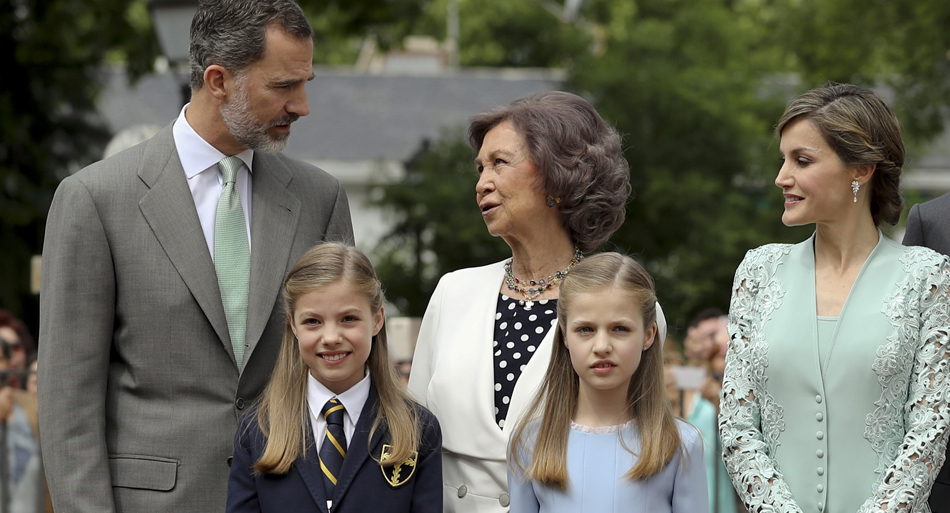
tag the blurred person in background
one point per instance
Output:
(836, 384)
(700, 342)
(20, 343)
(691, 404)
(24, 489)
(553, 184)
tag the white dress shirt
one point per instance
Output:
(353, 401)
(200, 161)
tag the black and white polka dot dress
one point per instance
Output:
(518, 332)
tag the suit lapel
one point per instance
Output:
(169, 210)
(274, 217)
(309, 468)
(359, 449)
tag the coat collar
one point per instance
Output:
(169, 210)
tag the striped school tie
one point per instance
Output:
(333, 449)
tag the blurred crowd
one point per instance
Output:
(22, 484)
(693, 378)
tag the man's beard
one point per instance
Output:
(247, 129)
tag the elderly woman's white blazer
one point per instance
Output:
(453, 376)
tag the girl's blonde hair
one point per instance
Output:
(282, 414)
(556, 401)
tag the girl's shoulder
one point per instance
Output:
(690, 437)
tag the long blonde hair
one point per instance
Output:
(282, 414)
(556, 401)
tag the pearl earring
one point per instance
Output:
(855, 187)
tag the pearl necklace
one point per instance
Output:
(536, 288)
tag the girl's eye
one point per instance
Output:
(622, 328)
(351, 318)
(311, 322)
(585, 329)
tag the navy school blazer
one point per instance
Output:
(362, 486)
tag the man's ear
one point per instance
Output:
(218, 81)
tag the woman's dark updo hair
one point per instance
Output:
(578, 156)
(862, 130)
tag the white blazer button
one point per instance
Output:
(504, 500)
(462, 491)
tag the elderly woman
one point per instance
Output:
(836, 383)
(552, 183)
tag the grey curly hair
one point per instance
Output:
(578, 155)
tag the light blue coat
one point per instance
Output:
(597, 460)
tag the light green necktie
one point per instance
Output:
(232, 256)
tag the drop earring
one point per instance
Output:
(552, 201)
(855, 187)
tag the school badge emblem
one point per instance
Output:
(398, 474)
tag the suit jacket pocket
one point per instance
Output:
(143, 472)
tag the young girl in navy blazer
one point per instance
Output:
(335, 430)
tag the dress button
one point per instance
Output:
(820, 471)
(818, 399)
(821, 506)
(462, 491)
(819, 417)
(820, 453)
(239, 402)
(504, 500)
(819, 435)
(821, 488)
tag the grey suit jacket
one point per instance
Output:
(140, 393)
(928, 224)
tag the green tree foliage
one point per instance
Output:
(518, 33)
(903, 44)
(683, 81)
(51, 53)
(438, 225)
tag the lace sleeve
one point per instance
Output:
(906, 483)
(748, 442)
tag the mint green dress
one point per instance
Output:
(857, 422)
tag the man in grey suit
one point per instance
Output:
(928, 224)
(160, 316)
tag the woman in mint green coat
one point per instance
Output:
(837, 380)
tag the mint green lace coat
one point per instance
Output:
(863, 428)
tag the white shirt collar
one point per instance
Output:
(353, 399)
(195, 153)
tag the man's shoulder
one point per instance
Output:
(299, 169)
(125, 164)
(936, 208)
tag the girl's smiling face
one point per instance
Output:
(334, 326)
(605, 336)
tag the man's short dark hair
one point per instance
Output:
(233, 33)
